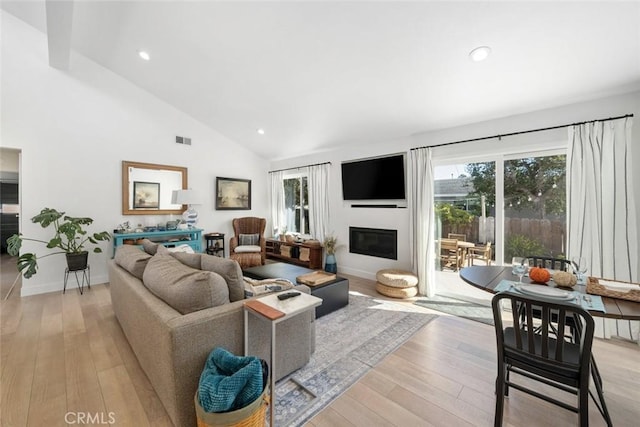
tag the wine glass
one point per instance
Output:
(580, 266)
(519, 267)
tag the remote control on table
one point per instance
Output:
(288, 295)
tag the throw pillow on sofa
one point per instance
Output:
(191, 260)
(182, 287)
(150, 247)
(229, 270)
(132, 259)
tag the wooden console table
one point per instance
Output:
(273, 250)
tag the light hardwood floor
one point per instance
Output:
(66, 354)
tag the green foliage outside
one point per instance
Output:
(520, 245)
(296, 199)
(452, 215)
(536, 183)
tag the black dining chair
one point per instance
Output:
(563, 264)
(544, 355)
(551, 263)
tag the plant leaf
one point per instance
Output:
(46, 217)
(97, 250)
(54, 243)
(78, 221)
(104, 235)
(29, 263)
(14, 243)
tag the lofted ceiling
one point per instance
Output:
(319, 75)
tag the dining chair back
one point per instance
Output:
(551, 263)
(537, 349)
(482, 253)
(461, 237)
(450, 254)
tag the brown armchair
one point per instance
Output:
(240, 248)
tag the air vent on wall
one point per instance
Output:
(183, 140)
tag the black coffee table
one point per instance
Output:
(334, 294)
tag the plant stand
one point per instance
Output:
(85, 278)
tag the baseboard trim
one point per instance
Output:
(359, 273)
(45, 288)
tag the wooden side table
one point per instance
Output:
(215, 244)
(269, 308)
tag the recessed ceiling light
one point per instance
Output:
(480, 53)
(260, 131)
(144, 55)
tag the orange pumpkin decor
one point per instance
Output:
(539, 275)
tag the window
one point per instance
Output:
(296, 203)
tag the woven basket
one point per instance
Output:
(595, 288)
(252, 415)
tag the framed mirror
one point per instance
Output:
(147, 188)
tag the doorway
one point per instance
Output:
(511, 205)
(9, 219)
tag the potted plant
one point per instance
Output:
(70, 237)
(330, 244)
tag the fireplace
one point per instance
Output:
(373, 242)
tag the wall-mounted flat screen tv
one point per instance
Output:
(380, 178)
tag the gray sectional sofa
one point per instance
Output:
(175, 308)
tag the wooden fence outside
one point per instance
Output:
(549, 233)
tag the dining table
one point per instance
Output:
(487, 278)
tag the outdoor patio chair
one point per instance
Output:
(462, 237)
(450, 254)
(482, 253)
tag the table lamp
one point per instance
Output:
(187, 197)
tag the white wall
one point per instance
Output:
(343, 216)
(75, 128)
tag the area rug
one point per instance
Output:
(460, 308)
(349, 342)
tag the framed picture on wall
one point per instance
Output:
(146, 195)
(233, 194)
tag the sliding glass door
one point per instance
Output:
(535, 220)
(489, 211)
(464, 196)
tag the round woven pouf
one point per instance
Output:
(397, 278)
(395, 292)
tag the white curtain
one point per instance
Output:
(422, 219)
(602, 221)
(276, 197)
(318, 182)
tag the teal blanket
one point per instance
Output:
(229, 382)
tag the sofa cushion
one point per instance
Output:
(247, 249)
(182, 287)
(132, 259)
(190, 259)
(229, 270)
(150, 247)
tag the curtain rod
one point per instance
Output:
(300, 167)
(523, 132)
